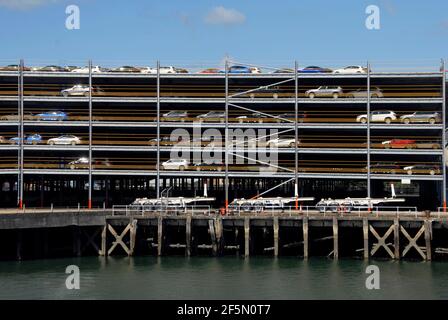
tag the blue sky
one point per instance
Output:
(204, 31)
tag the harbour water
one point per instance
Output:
(221, 278)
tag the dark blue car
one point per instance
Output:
(52, 116)
(314, 69)
(31, 139)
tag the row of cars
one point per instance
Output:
(377, 168)
(234, 69)
(379, 116)
(36, 138)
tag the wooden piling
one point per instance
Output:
(428, 231)
(305, 237)
(212, 232)
(335, 238)
(396, 238)
(132, 237)
(365, 229)
(159, 235)
(275, 226)
(219, 235)
(188, 235)
(103, 250)
(246, 236)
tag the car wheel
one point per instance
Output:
(86, 94)
(292, 145)
(72, 166)
(252, 95)
(65, 94)
(375, 95)
(311, 95)
(34, 142)
(260, 121)
(387, 146)
(409, 172)
(388, 120)
(181, 168)
(407, 121)
(435, 146)
(275, 96)
(363, 120)
(409, 146)
(432, 172)
(73, 143)
(335, 95)
(432, 121)
(51, 143)
(350, 96)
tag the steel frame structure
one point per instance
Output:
(229, 101)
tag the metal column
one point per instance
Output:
(90, 135)
(368, 135)
(444, 134)
(20, 183)
(226, 137)
(158, 132)
(296, 134)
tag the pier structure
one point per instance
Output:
(361, 235)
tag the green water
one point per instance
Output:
(221, 278)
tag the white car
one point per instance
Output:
(163, 70)
(255, 70)
(79, 163)
(64, 140)
(351, 70)
(95, 69)
(378, 116)
(175, 164)
(282, 143)
(76, 90)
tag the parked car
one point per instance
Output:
(82, 162)
(2, 139)
(261, 92)
(288, 117)
(15, 117)
(52, 116)
(212, 116)
(385, 167)
(31, 139)
(64, 140)
(95, 69)
(314, 69)
(375, 92)
(284, 70)
(378, 116)
(70, 68)
(181, 70)
(254, 117)
(399, 144)
(210, 70)
(175, 116)
(166, 141)
(81, 90)
(13, 67)
(176, 164)
(242, 69)
(430, 117)
(422, 169)
(51, 69)
(209, 166)
(325, 92)
(282, 143)
(163, 70)
(127, 69)
(351, 70)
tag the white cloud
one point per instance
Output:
(24, 4)
(221, 15)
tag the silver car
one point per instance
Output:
(375, 92)
(421, 117)
(325, 92)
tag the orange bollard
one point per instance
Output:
(90, 204)
(444, 206)
(20, 204)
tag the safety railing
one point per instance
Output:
(133, 210)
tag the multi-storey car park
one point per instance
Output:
(124, 126)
